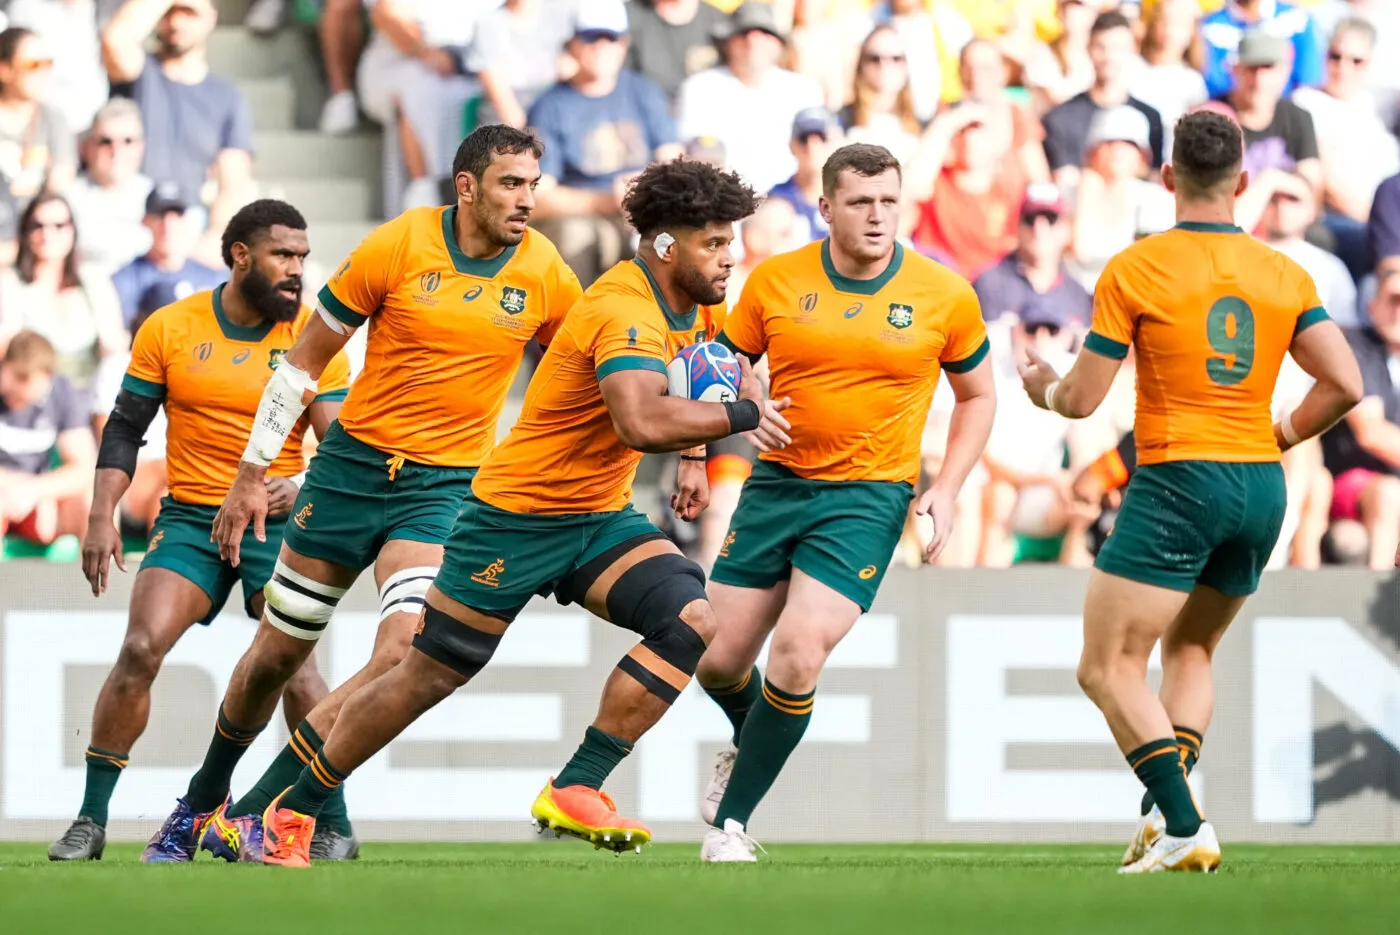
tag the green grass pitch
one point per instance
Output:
(567, 887)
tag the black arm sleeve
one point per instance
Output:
(125, 431)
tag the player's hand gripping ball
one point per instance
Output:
(707, 372)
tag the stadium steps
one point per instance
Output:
(332, 241)
(307, 154)
(325, 199)
(272, 101)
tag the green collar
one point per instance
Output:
(253, 334)
(673, 321)
(861, 286)
(482, 269)
(1201, 227)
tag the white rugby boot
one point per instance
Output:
(730, 844)
(1200, 853)
(719, 781)
(1150, 827)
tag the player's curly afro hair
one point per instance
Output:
(686, 195)
(1208, 149)
(255, 219)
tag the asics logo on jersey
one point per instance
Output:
(241, 356)
(854, 310)
(868, 572)
(472, 293)
(429, 282)
(808, 302)
(901, 316)
(513, 300)
(302, 516)
(490, 573)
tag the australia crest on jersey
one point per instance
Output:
(901, 316)
(513, 300)
(274, 357)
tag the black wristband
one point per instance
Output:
(744, 416)
(701, 458)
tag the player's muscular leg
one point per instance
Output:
(403, 572)
(304, 690)
(1188, 691)
(744, 617)
(814, 619)
(163, 606)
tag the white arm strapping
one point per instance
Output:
(333, 323)
(278, 411)
(1286, 429)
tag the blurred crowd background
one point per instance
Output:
(1032, 133)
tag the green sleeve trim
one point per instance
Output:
(332, 396)
(724, 338)
(970, 361)
(1105, 347)
(1309, 318)
(629, 362)
(143, 387)
(339, 309)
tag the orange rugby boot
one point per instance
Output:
(588, 814)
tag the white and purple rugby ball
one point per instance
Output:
(707, 372)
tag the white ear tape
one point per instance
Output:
(663, 244)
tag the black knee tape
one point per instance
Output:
(648, 599)
(462, 648)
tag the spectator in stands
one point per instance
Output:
(1114, 204)
(1358, 151)
(42, 413)
(600, 128)
(1363, 450)
(1383, 229)
(197, 124)
(770, 230)
(881, 110)
(410, 82)
(69, 29)
(934, 37)
(815, 135)
(38, 152)
(707, 149)
(750, 101)
(1291, 211)
(516, 53)
(823, 43)
(672, 40)
(1057, 71)
(109, 198)
(47, 292)
(1037, 266)
(1169, 77)
(342, 34)
(1223, 32)
(169, 260)
(970, 220)
(1113, 49)
(984, 75)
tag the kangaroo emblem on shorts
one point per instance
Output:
(155, 541)
(728, 541)
(302, 516)
(489, 574)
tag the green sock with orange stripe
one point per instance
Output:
(737, 700)
(304, 744)
(1188, 745)
(1158, 764)
(771, 732)
(103, 770)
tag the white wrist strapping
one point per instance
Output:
(298, 479)
(1050, 395)
(1286, 429)
(278, 411)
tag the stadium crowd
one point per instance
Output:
(1031, 132)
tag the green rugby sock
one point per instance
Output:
(771, 732)
(593, 761)
(286, 767)
(1158, 765)
(736, 701)
(103, 770)
(313, 787)
(209, 785)
(1188, 744)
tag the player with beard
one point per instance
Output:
(206, 358)
(857, 332)
(549, 512)
(452, 296)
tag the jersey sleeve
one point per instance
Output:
(743, 329)
(334, 384)
(360, 285)
(563, 293)
(1312, 309)
(966, 341)
(145, 375)
(1113, 326)
(625, 338)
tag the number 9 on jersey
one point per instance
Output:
(707, 372)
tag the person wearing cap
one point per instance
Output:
(749, 101)
(600, 128)
(1292, 209)
(109, 197)
(170, 259)
(1113, 48)
(1114, 204)
(671, 40)
(197, 124)
(815, 135)
(515, 53)
(1225, 29)
(706, 149)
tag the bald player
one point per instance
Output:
(1211, 312)
(451, 297)
(857, 332)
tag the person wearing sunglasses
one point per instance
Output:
(881, 108)
(37, 151)
(109, 196)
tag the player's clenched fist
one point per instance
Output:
(772, 430)
(246, 501)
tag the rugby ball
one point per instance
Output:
(707, 372)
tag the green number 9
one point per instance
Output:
(1239, 346)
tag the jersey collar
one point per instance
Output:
(250, 333)
(470, 266)
(1202, 227)
(673, 321)
(861, 286)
